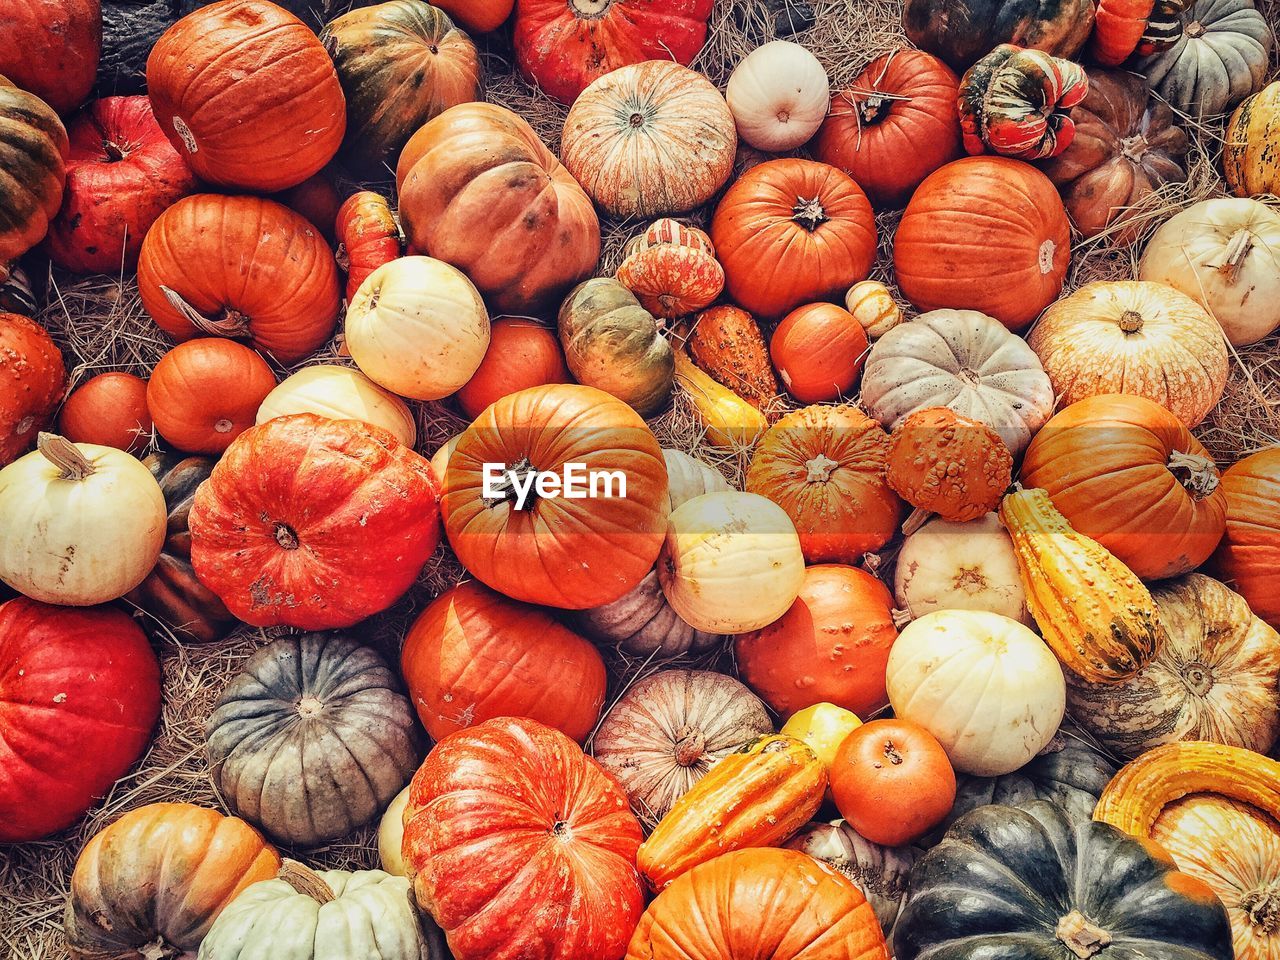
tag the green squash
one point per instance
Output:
(33, 171)
(961, 32)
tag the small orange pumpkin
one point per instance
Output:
(522, 353)
(109, 410)
(671, 280)
(819, 350)
(32, 381)
(205, 393)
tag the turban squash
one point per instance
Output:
(1017, 103)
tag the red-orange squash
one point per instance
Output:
(368, 236)
(32, 381)
(727, 343)
(671, 280)
(818, 350)
(205, 393)
(522, 353)
(1248, 557)
(479, 16)
(110, 410)
(51, 48)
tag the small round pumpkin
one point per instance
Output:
(52, 49)
(109, 410)
(1248, 558)
(32, 381)
(672, 281)
(205, 393)
(34, 169)
(522, 353)
(368, 236)
(478, 16)
(643, 623)
(339, 393)
(871, 303)
(1249, 159)
(778, 95)
(818, 351)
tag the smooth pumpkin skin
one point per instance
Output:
(34, 170)
(1248, 557)
(1118, 28)
(32, 381)
(316, 199)
(521, 354)
(961, 31)
(79, 698)
(51, 48)
(479, 16)
(778, 94)
(109, 409)
(340, 393)
(818, 350)
(969, 565)
(204, 393)
(368, 236)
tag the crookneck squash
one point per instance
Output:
(727, 343)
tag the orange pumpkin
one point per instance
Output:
(1248, 557)
(667, 230)
(205, 393)
(110, 410)
(790, 232)
(479, 16)
(670, 280)
(240, 267)
(368, 236)
(32, 381)
(316, 200)
(819, 350)
(51, 48)
(522, 353)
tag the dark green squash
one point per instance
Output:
(962, 31)
(1028, 883)
(33, 171)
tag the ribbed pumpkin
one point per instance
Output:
(340, 393)
(480, 16)
(1017, 103)
(688, 477)
(727, 343)
(52, 48)
(32, 382)
(871, 303)
(672, 281)
(666, 230)
(1249, 157)
(109, 409)
(729, 420)
(1248, 557)
(522, 353)
(35, 148)
(1119, 28)
(642, 621)
(204, 393)
(819, 350)
(368, 236)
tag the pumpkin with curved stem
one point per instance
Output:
(35, 151)
(1248, 557)
(205, 393)
(819, 350)
(871, 303)
(642, 621)
(962, 31)
(727, 343)
(1248, 155)
(649, 139)
(110, 410)
(339, 393)
(688, 477)
(52, 49)
(522, 353)
(729, 420)
(32, 381)
(368, 236)
(778, 95)
(1017, 102)
(195, 276)
(672, 281)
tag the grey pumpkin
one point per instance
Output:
(312, 739)
(642, 622)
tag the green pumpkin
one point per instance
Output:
(33, 170)
(1029, 883)
(962, 31)
(614, 344)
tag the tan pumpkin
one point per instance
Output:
(1249, 156)
(688, 477)
(340, 393)
(778, 95)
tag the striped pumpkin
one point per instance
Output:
(1016, 102)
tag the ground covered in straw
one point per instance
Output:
(100, 325)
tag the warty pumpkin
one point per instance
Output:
(522, 353)
(727, 343)
(1248, 557)
(34, 168)
(204, 393)
(818, 350)
(1017, 102)
(32, 381)
(368, 236)
(339, 393)
(110, 410)
(642, 621)
(672, 281)
(1249, 157)
(52, 49)
(778, 95)
(962, 31)
(729, 420)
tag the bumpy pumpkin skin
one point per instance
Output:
(1248, 558)
(1251, 152)
(1017, 103)
(961, 31)
(727, 343)
(953, 466)
(32, 382)
(51, 48)
(34, 171)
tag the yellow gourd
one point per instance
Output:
(730, 420)
(823, 727)
(1251, 148)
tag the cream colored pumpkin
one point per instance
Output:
(688, 477)
(1225, 255)
(1134, 337)
(418, 327)
(873, 306)
(340, 393)
(79, 523)
(648, 139)
(391, 835)
(960, 566)
(440, 460)
(779, 96)
(731, 562)
(984, 685)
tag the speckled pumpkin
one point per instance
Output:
(1251, 151)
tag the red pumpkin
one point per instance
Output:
(122, 173)
(110, 410)
(563, 46)
(790, 232)
(316, 200)
(79, 697)
(51, 48)
(519, 845)
(478, 16)
(832, 646)
(521, 354)
(1248, 557)
(32, 381)
(894, 125)
(368, 236)
(1118, 27)
(819, 350)
(313, 523)
(987, 234)
(457, 661)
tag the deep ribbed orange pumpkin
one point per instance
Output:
(1248, 557)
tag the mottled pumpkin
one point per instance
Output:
(672, 281)
(32, 382)
(642, 621)
(33, 157)
(1017, 102)
(962, 31)
(1250, 156)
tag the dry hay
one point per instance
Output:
(100, 325)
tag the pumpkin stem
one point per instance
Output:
(306, 881)
(690, 746)
(1238, 249)
(820, 469)
(1134, 148)
(809, 213)
(113, 151)
(1131, 321)
(1194, 29)
(901, 617)
(1263, 907)
(506, 487)
(232, 323)
(1202, 475)
(590, 9)
(286, 536)
(64, 455)
(343, 258)
(918, 518)
(891, 753)
(636, 119)
(159, 949)
(1081, 937)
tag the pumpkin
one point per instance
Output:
(728, 419)
(522, 353)
(818, 350)
(32, 381)
(172, 595)
(1248, 557)
(17, 292)
(756, 796)
(247, 95)
(83, 524)
(563, 48)
(665, 230)
(35, 149)
(962, 31)
(157, 878)
(1106, 633)
(109, 410)
(823, 727)
(240, 267)
(479, 190)
(871, 303)
(649, 139)
(984, 685)
(368, 236)
(479, 16)
(339, 393)
(667, 731)
(1126, 147)
(962, 360)
(771, 903)
(688, 477)
(311, 739)
(313, 523)
(391, 835)
(778, 95)
(1214, 678)
(1126, 473)
(440, 460)
(892, 781)
(790, 232)
(1133, 337)
(672, 281)
(1015, 247)
(1219, 59)
(316, 200)
(831, 646)
(52, 49)
(1119, 28)
(122, 173)
(1224, 254)
(1055, 888)
(205, 393)
(728, 344)
(893, 125)
(511, 799)
(79, 697)
(1017, 102)
(560, 551)
(947, 565)
(643, 623)
(417, 327)
(458, 662)
(825, 467)
(1248, 154)
(731, 562)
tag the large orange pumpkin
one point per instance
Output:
(204, 393)
(790, 232)
(51, 48)
(1124, 471)
(987, 234)
(522, 353)
(32, 381)
(1248, 557)
(473, 655)
(240, 267)
(555, 550)
(246, 93)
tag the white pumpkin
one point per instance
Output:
(418, 327)
(1225, 255)
(688, 477)
(964, 360)
(947, 565)
(988, 688)
(391, 835)
(340, 393)
(731, 562)
(779, 96)
(871, 303)
(79, 523)
(440, 460)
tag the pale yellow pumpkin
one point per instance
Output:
(779, 95)
(823, 727)
(391, 834)
(340, 393)
(440, 460)
(873, 306)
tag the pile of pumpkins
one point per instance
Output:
(980, 524)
